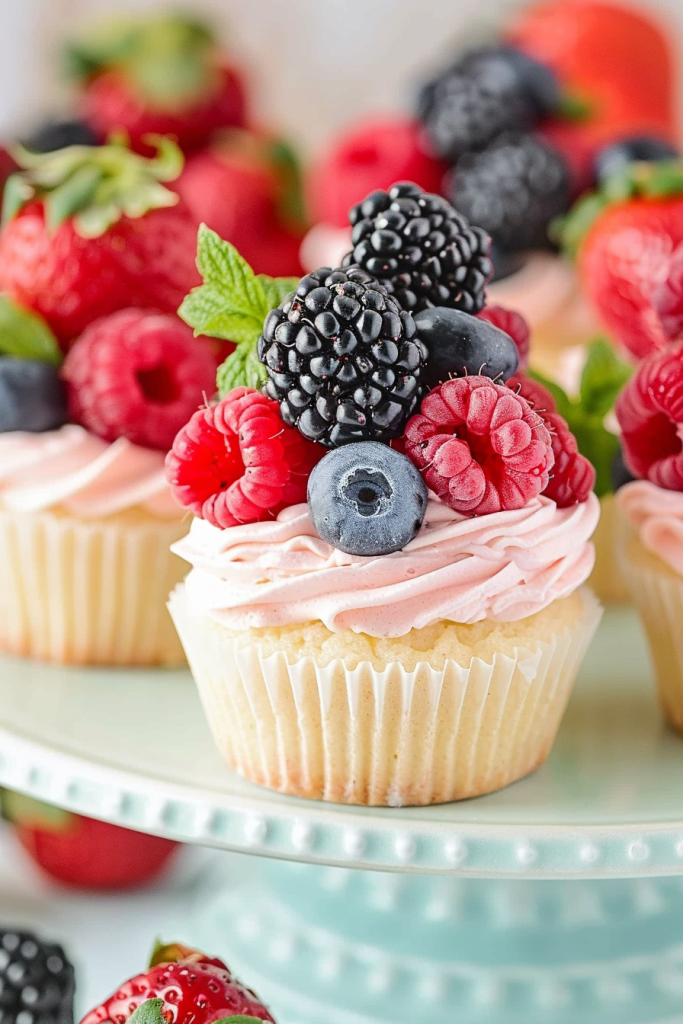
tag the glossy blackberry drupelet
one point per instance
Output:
(53, 135)
(485, 92)
(36, 981)
(343, 359)
(32, 396)
(460, 345)
(617, 156)
(513, 190)
(366, 499)
(421, 249)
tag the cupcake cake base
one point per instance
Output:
(444, 713)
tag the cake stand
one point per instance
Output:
(559, 899)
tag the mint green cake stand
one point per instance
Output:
(557, 900)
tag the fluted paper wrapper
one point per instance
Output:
(89, 592)
(607, 579)
(657, 593)
(392, 737)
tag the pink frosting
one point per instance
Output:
(657, 516)
(502, 567)
(78, 472)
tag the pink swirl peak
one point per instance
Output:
(503, 567)
(657, 516)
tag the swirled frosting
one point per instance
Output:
(73, 470)
(503, 567)
(657, 516)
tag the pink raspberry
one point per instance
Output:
(668, 297)
(515, 325)
(650, 413)
(138, 374)
(480, 446)
(538, 396)
(236, 462)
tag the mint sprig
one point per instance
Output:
(604, 375)
(25, 335)
(232, 304)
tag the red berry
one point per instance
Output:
(650, 413)
(138, 374)
(371, 156)
(515, 325)
(237, 462)
(480, 446)
(538, 396)
(195, 990)
(668, 297)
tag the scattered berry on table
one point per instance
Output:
(421, 249)
(32, 397)
(618, 155)
(460, 345)
(138, 374)
(237, 462)
(513, 190)
(36, 980)
(366, 499)
(480, 447)
(52, 135)
(484, 92)
(514, 324)
(344, 359)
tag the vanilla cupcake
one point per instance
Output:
(650, 536)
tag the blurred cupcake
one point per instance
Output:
(382, 625)
(86, 516)
(651, 514)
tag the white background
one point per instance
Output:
(316, 64)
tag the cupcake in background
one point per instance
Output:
(386, 601)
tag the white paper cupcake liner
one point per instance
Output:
(88, 592)
(391, 737)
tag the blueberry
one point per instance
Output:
(617, 156)
(462, 345)
(32, 397)
(366, 499)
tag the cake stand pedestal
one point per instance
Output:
(558, 899)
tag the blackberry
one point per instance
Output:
(53, 135)
(343, 359)
(513, 189)
(423, 251)
(36, 981)
(483, 93)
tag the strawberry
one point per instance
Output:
(84, 853)
(245, 186)
(90, 230)
(616, 60)
(624, 236)
(182, 986)
(161, 74)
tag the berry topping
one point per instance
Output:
(182, 986)
(573, 477)
(343, 359)
(480, 447)
(32, 397)
(513, 190)
(52, 135)
(236, 462)
(633, 149)
(138, 374)
(483, 93)
(460, 345)
(668, 297)
(650, 413)
(422, 250)
(366, 499)
(36, 980)
(514, 324)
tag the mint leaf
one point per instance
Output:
(562, 400)
(242, 368)
(276, 288)
(149, 1012)
(603, 377)
(25, 335)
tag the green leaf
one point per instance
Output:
(599, 446)
(276, 289)
(571, 230)
(562, 400)
(24, 810)
(241, 1019)
(603, 377)
(74, 194)
(241, 369)
(25, 335)
(149, 1012)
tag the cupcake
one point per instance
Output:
(385, 604)
(651, 514)
(86, 514)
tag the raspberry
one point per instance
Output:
(480, 447)
(668, 298)
(650, 413)
(138, 374)
(573, 476)
(236, 462)
(514, 324)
